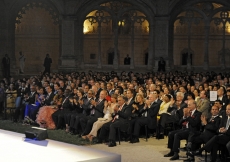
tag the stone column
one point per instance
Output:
(151, 45)
(206, 46)
(67, 59)
(132, 46)
(161, 40)
(99, 46)
(79, 38)
(10, 42)
(170, 55)
(115, 60)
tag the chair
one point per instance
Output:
(119, 133)
(146, 133)
(169, 127)
(10, 103)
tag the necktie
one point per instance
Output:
(47, 97)
(185, 123)
(128, 101)
(211, 118)
(63, 102)
(99, 101)
(227, 124)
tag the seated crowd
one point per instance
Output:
(96, 104)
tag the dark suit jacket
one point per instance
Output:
(48, 101)
(31, 99)
(111, 92)
(177, 113)
(223, 124)
(152, 114)
(6, 62)
(210, 129)
(131, 102)
(98, 109)
(194, 121)
(125, 113)
(21, 93)
(86, 106)
(222, 113)
(66, 105)
(224, 101)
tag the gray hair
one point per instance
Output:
(180, 94)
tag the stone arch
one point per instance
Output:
(95, 6)
(36, 37)
(205, 51)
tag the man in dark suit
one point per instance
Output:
(149, 116)
(29, 98)
(120, 119)
(191, 122)
(50, 95)
(219, 104)
(96, 111)
(183, 90)
(130, 96)
(222, 97)
(174, 113)
(21, 91)
(222, 138)
(210, 126)
(127, 60)
(6, 66)
(110, 89)
(85, 104)
(47, 64)
(58, 116)
(175, 89)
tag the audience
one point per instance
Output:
(89, 107)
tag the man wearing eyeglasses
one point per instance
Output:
(96, 111)
(85, 105)
(49, 97)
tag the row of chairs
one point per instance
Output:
(119, 131)
(11, 102)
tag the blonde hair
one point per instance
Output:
(138, 94)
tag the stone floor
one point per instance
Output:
(152, 150)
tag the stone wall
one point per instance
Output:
(36, 36)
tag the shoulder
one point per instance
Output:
(197, 112)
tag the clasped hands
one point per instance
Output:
(186, 112)
(222, 130)
(147, 104)
(93, 102)
(203, 119)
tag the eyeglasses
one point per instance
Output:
(89, 93)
